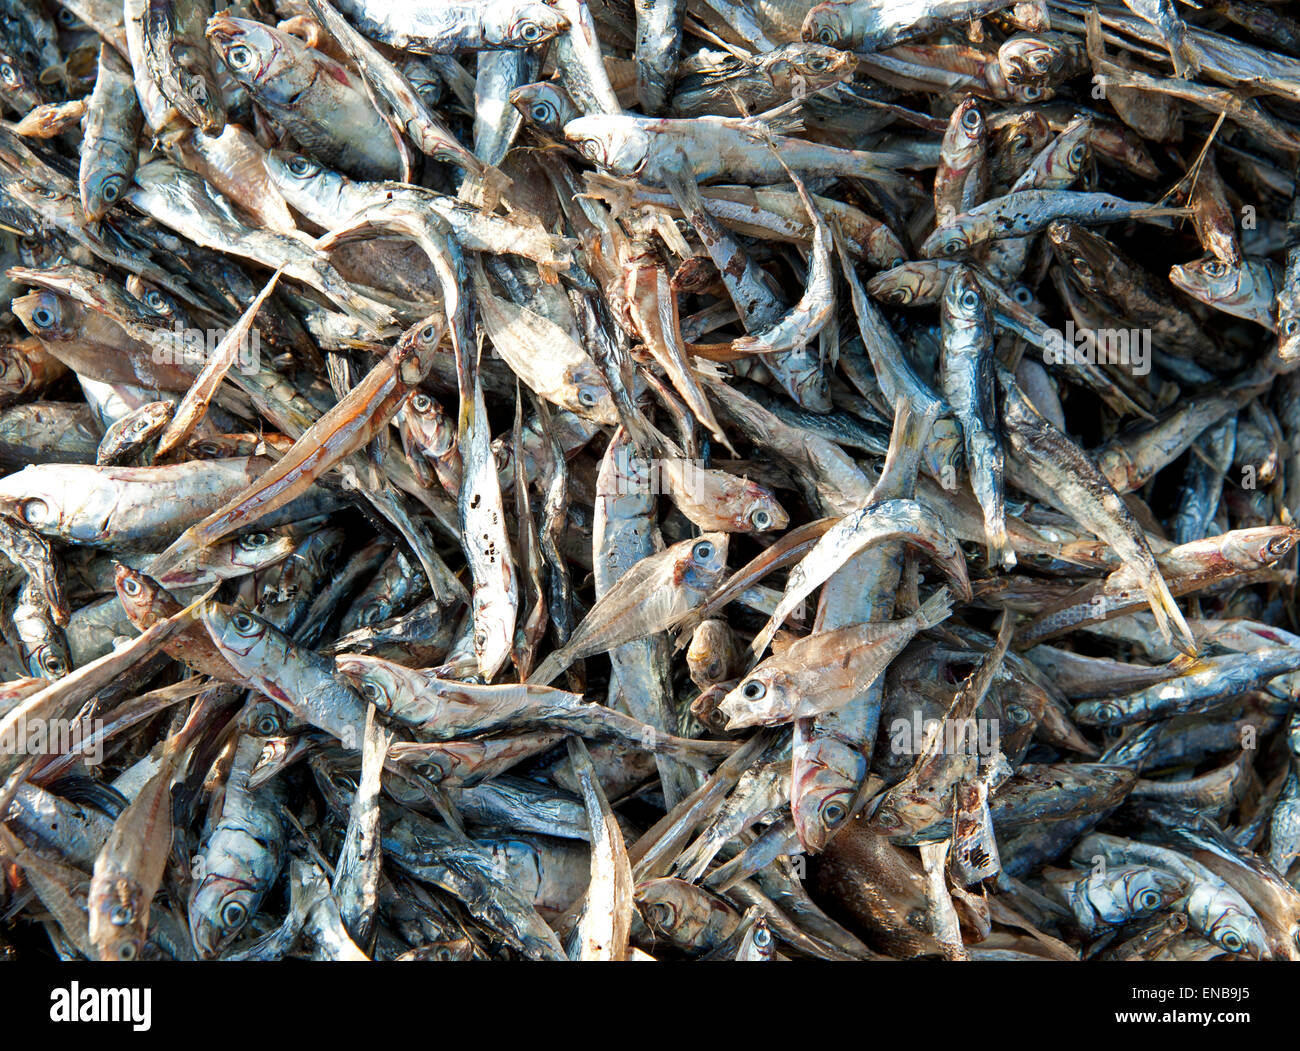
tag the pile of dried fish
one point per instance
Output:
(624, 479)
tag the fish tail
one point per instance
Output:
(1166, 610)
(936, 609)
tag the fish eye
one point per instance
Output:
(301, 167)
(428, 333)
(54, 664)
(1291, 327)
(826, 35)
(954, 247)
(111, 188)
(1019, 142)
(121, 915)
(66, 18)
(1022, 295)
(1018, 714)
(1232, 941)
(833, 813)
(127, 951)
(1148, 900)
(35, 512)
(901, 296)
(131, 587)
(443, 955)
(343, 782)
(268, 724)
(530, 32)
(480, 639)
(587, 397)
(817, 63)
(762, 937)
(660, 915)
(761, 519)
(1033, 93)
(155, 301)
(1215, 268)
(239, 56)
(208, 449)
(244, 624)
(422, 403)
(1078, 153)
(972, 120)
(702, 552)
(970, 299)
(1108, 713)
(42, 317)
(253, 541)
(541, 112)
(7, 72)
(373, 691)
(233, 915)
(753, 690)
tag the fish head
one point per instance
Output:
(963, 299)
(239, 635)
(101, 188)
(119, 919)
(910, 282)
(45, 659)
(702, 562)
(618, 144)
(20, 87)
(1098, 713)
(1226, 920)
(15, 372)
(544, 105)
(44, 315)
(759, 510)
(307, 185)
(807, 67)
(1209, 280)
(950, 240)
(1144, 891)
(1082, 253)
(1070, 151)
(586, 394)
(824, 779)
(1288, 328)
(768, 695)
(259, 56)
(522, 25)
(967, 130)
(708, 655)
(1032, 58)
(679, 912)
(829, 24)
(429, 424)
(38, 496)
(139, 594)
(1016, 142)
(386, 685)
(220, 907)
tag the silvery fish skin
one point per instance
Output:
(936, 314)
(458, 26)
(321, 101)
